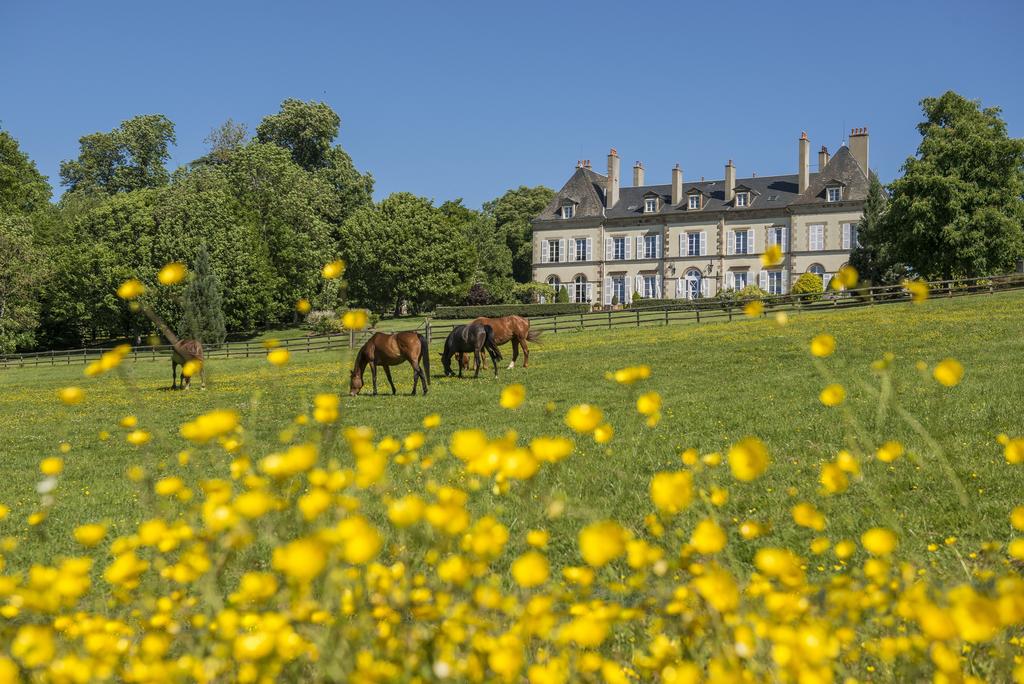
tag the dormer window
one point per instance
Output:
(742, 199)
(650, 205)
(568, 211)
(694, 201)
(834, 193)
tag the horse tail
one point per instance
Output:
(489, 341)
(425, 356)
(533, 336)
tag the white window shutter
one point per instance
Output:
(590, 293)
(657, 286)
(825, 280)
(730, 280)
(544, 251)
(846, 236)
(703, 243)
(682, 245)
(608, 247)
(607, 290)
(785, 240)
(705, 286)
(785, 282)
(561, 250)
(658, 241)
(730, 244)
(571, 254)
(640, 247)
(752, 241)
(679, 287)
(762, 280)
(589, 253)
(629, 247)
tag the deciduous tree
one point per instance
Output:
(23, 189)
(20, 273)
(130, 157)
(512, 214)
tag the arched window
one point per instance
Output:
(692, 284)
(556, 283)
(579, 289)
(816, 269)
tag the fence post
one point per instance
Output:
(556, 323)
(351, 339)
(582, 327)
(666, 315)
(609, 319)
(638, 318)
(698, 315)
(85, 356)
(426, 332)
(730, 315)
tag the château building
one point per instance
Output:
(690, 239)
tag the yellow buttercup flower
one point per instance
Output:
(918, 290)
(54, 465)
(889, 452)
(130, 289)
(879, 541)
(137, 437)
(806, 515)
(603, 433)
(833, 478)
(531, 569)
(90, 535)
(1017, 518)
(431, 421)
(949, 372)
(278, 356)
(832, 395)
(512, 396)
(754, 308)
(748, 459)
(631, 374)
(781, 318)
(584, 418)
(210, 426)
(355, 319)
(672, 492)
(823, 345)
(172, 273)
(303, 306)
(772, 256)
(847, 277)
(333, 269)
(602, 542)
(71, 395)
(708, 537)
(649, 403)
(191, 367)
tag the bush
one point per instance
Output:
(324, 322)
(563, 295)
(496, 310)
(529, 293)
(479, 295)
(615, 300)
(637, 297)
(808, 287)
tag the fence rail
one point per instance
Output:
(675, 311)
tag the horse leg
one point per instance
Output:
(174, 374)
(387, 372)
(373, 371)
(494, 361)
(515, 353)
(526, 353)
(416, 377)
(476, 355)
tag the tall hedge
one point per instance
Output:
(496, 310)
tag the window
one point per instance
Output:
(554, 282)
(582, 251)
(692, 284)
(742, 199)
(619, 248)
(777, 236)
(833, 193)
(650, 246)
(694, 201)
(568, 211)
(650, 205)
(693, 244)
(741, 241)
(740, 280)
(819, 270)
(850, 236)
(554, 251)
(775, 282)
(581, 290)
(650, 287)
(816, 237)
(619, 289)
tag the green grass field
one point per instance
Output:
(720, 382)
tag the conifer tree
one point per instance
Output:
(204, 312)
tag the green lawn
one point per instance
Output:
(720, 382)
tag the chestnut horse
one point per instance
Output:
(391, 349)
(182, 351)
(514, 328)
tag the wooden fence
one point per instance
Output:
(675, 311)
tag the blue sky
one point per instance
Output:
(468, 99)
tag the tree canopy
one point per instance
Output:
(23, 189)
(130, 157)
(512, 214)
(957, 210)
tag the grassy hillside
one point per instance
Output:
(719, 383)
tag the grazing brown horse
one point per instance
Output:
(391, 349)
(514, 328)
(182, 351)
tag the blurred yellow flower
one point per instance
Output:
(602, 542)
(754, 308)
(54, 465)
(781, 318)
(137, 437)
(748, 459)
(672, 492)
(278, 356)
(512, 396)
(584, 418)
(603, 433)
(90, 535)
(833, 478)
(918, 290)
(832, 395)
(71, 395)
(648, 403)
(303, 306)
(1017, 518)
(333, 269)
(406, 511)
(806, 515)
(326, 407)
(631, 374)
(708, 537)
(537, 538)
(823, 345)
(191, 367)
(210, 426)
(889, 452)
(846, 277)
(172, 273)
(130, 289)
(432, 421)
(355, 319)
(949, 372)
(301, 560)
(772, 256)
(531, 569)
(128, 422)
(878, 541)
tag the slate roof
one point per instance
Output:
(841, 167)
(768, 192)
(586, 188)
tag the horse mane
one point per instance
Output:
(191, 351)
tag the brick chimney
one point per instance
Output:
(677, 185)
(730, 181)
(822, 158)
(859, 147)
(638, 174)
(612, 189)
(804, 162)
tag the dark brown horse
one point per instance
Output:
(391, 349)
(182, 351)
(470, 338)
(515, 329)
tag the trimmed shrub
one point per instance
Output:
(808, 287)
(496, 310)
(479, 295)
(563, 296)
